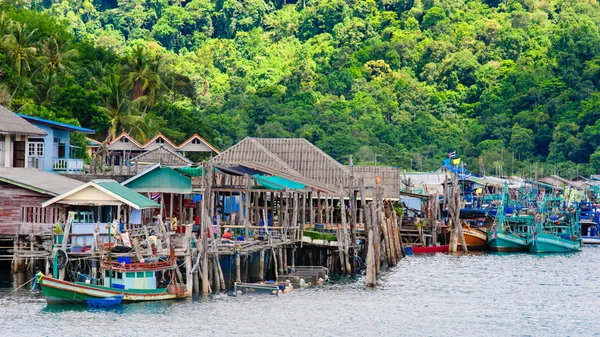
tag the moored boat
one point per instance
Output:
(556, 235)
(135, 282)
(430, 249)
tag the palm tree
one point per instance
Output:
(21, 48)
(145, 76)
(123, 113)
(56, 58)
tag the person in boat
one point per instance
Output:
(153, 226)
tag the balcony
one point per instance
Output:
(67, 165)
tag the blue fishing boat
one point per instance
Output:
(589, 219)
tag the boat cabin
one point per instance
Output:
(130, 279)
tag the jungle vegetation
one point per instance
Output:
(508, 84)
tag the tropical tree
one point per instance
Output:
(122, 112)
(20, 43)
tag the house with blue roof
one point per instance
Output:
(54, 151)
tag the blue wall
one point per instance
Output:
(65, 137)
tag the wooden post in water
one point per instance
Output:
(370, 273)
(238, 268)
(188, 258)
(261, 265)
(376, 237)
(216, 280)
(204, 218)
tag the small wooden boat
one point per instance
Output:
(105, 302)
(430, 249)
(135, 282)
(475, 237)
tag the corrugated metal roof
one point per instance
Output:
(107, 192)
(38, 180)
(12, 124)
(127, 195)
(57, 125)
(159, 179)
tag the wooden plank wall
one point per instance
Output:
(15, 200)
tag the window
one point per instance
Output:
(149, 273)
(196, 141)
(124, 140)
(106, 273)
(119, 275)
(39, 215)
(130, 275)
(160, 141)
(140, 274)
(36, 148)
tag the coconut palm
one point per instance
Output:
(122, 112)
(20, 46)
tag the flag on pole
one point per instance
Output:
(468, 176)
(456, 161)
(452, 154)
(155, 196)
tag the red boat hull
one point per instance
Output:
(432, 249)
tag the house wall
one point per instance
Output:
(155, 145)
(189, 147)
(20, 208)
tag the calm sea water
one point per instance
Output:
(439, 295)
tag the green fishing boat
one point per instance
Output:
(558, 233)
(509, 234)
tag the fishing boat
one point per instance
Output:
(509, 233)
(475, 236)
(557, 234)
(589, 220)
(430, 249)
(135, 282)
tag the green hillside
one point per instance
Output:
(510, 85)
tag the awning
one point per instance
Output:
(277, 183)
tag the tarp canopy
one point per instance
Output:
(277, 183)
(240, 170)
(191, 171)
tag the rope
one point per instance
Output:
(21, 286)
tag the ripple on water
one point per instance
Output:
(436, 295)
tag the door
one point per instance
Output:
(19, 154)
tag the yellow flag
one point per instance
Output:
(456, 161)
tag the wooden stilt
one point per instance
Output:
(261, 265)
(238, 276)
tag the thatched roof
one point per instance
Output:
(15, 125)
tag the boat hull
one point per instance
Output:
(64, 292)
(591, 240)
(503, 242)
(475, 239)
(430, 250)
(548, 243)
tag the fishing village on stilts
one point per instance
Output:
(266, 216)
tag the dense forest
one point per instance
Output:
(510, 85)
